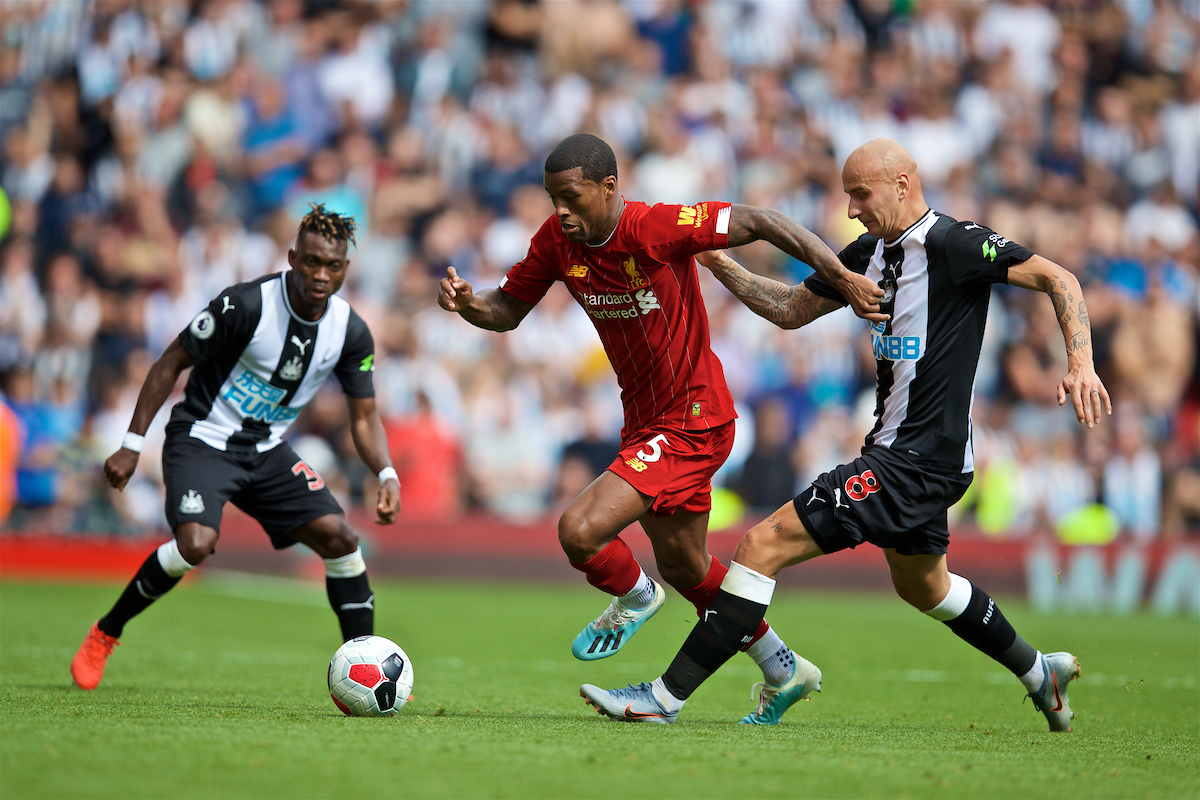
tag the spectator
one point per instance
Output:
(151, 150)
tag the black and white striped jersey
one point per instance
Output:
(937, 279)
(258, 363)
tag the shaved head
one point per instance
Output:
(882, 159)
(884, 187)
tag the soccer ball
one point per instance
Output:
(370, 676)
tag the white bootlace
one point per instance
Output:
(615, 616)
(765, 695)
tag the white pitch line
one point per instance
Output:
(265, 588)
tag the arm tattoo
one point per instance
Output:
(785, 306)
(1064, 303)
(495, 310)
(765, 297)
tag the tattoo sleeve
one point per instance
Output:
(1072, 317)
(495, 310)
(783, 305)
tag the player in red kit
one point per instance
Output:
(631, 268)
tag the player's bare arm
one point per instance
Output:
(1081, 383)
(749, 223)
(491, 309)
(786, 306)
(371, 442)
(161, 379)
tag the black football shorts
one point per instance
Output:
(277, 487)
(884, 498)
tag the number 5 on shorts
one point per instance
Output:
(655, 450)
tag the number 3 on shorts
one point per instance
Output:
(655, 450)
(315, 484)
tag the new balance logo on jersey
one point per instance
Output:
(577, 271)
(647, 302)
(299, 344)
(191, 503)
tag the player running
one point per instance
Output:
(259, 353)
(630, 267)
(937, 275)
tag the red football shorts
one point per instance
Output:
(673, 466)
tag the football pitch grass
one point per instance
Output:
(219, 691)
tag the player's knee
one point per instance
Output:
(328, 536)
(580, 538)
(195, 542)
(682, 574)
(918, 595)
(333, 537)
(758, 544)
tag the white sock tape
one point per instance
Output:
(750, 585)
(171, 561)
(955, 602)
(348, 566)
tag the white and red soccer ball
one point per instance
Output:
(370, 676)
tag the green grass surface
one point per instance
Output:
(219, 691)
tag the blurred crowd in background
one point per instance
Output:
(156, 151)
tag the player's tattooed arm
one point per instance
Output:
(1081, 385)
(491, 309)
(785, 306)
(749, 223)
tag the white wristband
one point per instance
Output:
(133, 441)
(388, 472)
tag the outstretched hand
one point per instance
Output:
(454, 293)
(119, 467)
(863, 295)
(1087, 393)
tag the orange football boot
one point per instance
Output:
(87, 668)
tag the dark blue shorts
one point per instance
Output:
(276, 487)
(884, 498)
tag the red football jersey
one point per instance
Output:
(643, 294)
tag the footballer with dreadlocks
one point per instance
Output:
(259, 352)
